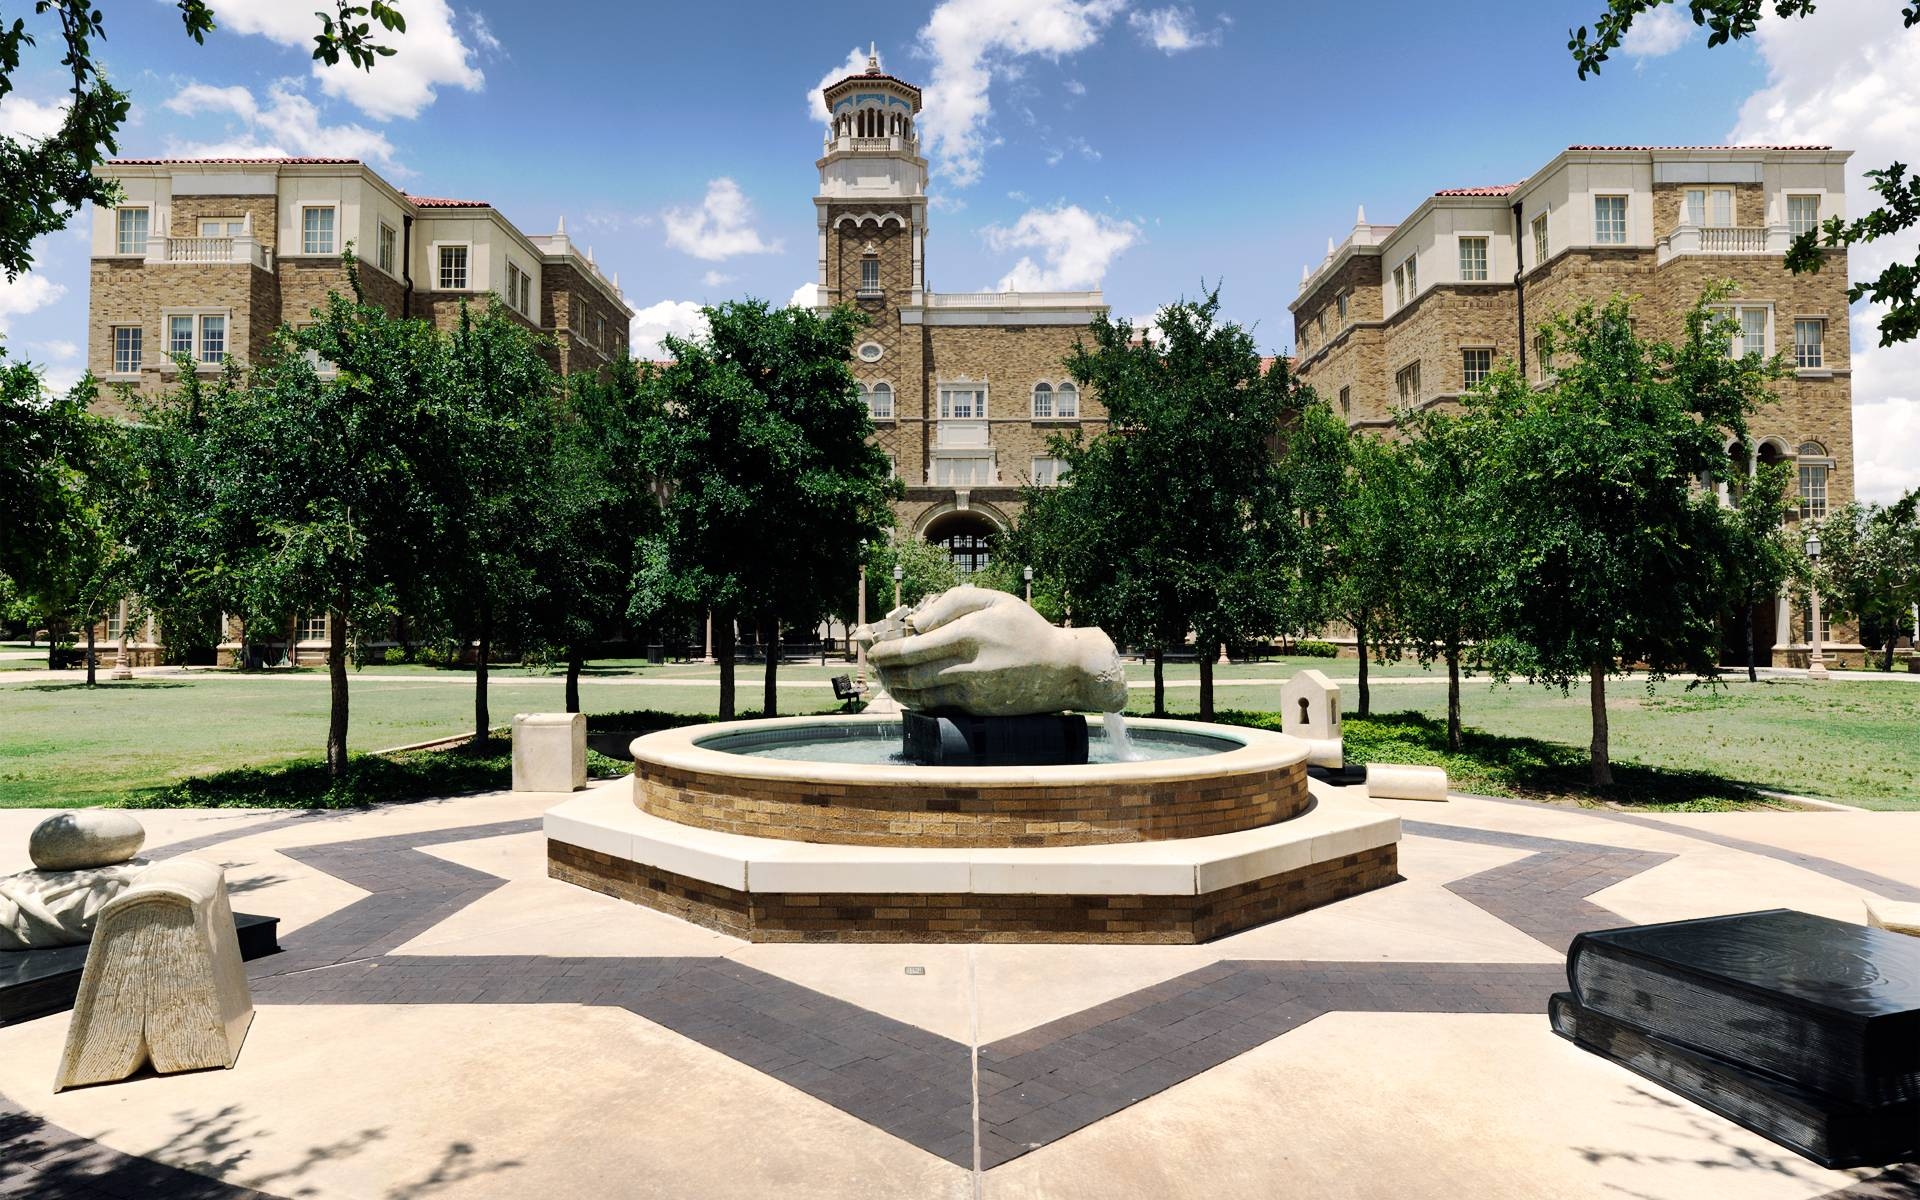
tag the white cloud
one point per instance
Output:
(816, 99)
(682, 318)
(1075, 247)
(1657, 33)
(56, 349)
(287, 124)
(807, 295)
(970, 41)
(720, 228)
(26, 293)
(431, 54)
(1073, 87)
(30, 119)
(716, 279)
(1847, 76)
(1171, 29)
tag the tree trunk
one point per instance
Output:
(90, 664)
(770, 637)
(1753, 674)
(574, 658)
(1453, 700)
(723, 650)
(1159, 681)
(482, 721)
(337, 691)
(1892, 637)
(53, 644)
(1597, 692)
(1206, 680)
(1360, 644)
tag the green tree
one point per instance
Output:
(1762, 555)
(1604, 552)
(924, 570)
(1179, 515)
(1733, 20)
(760, 441)
(1443, 600)
(493, 492)
(1870, 568)
(44, 182)
(1365, 534)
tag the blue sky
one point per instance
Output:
(1141, 147)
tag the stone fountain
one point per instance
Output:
(991, 809)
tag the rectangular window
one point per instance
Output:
(314, 629)
(1340, 304)
(1049, 472)
(1809, 344)
(126, 349)
(1710, 207)
(1475, 365)
(880, 401)
(1813, 490)
(960, 472)
(213, 339)
(1406, 384)
(1750, 336)
(1400, 286)
(1473, 259)
(526, 293)
(869, 275)
(316, 231)
(1542, 357)
(453, 268)
(179, 335)
(222, 227)
(1066, 402)
(385, 260)
(1540, 239)
(1803, 214)
(513, 286)
(1346, 401)
(962, 404)
(1042, 401)
(1413, 276)
(130, 225)
(1610, 220)
(116, 623)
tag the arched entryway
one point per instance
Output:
(966, 536)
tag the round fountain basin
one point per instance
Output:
(839, 780)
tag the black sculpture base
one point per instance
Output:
(1348, 775)
(34, 983)
(1830, 1132)
(959, 740)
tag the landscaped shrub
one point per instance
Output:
(1316, 650)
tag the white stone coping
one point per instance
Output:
(1340, 823)
(683, 749)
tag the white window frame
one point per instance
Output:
(440, 250)
(1346, 401)
(1814, 227)
(1812, 476)
(121, 242)
(514, 275)
(1066, 400)
(869, 266)
(1400, 285)
(120, 365)
(978, 469)
(1603, 233)
(1709, 207)
(1467, 266)
(314, 629)
(1047, 471)
(1466, 382)
(197, 319)
(386, 248)
(1342, 303)
(1737, 347)
(1043, 401)
(872, 396)
(1819, 346)
(223, 227)
(226, 339)
(333, 229)
(1406, 383)
(1542, 246)
(193, 334)
(947, 391)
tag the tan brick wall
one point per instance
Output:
(1353, 355)
(129, 292)
(1749, 204)
(188, 210)
(976, 916)
(569, 306)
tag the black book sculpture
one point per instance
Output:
(1801, 1028)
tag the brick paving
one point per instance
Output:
(1033, 1088)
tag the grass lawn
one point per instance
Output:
(1845, 739)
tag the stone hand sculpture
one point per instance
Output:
(988, 654)
(81, 859)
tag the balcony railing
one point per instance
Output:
(205, 251)
(1725, 239)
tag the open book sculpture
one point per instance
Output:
(163, 981)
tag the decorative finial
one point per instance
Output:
(590, 254)
(1305, 274)
(873, 58)
(1360, 218)
(1329, 246)
(562, 231)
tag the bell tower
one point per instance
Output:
(872, 203)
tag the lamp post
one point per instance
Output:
(1816, 661)
(899, 573)
(859, 648)
(1026, 573)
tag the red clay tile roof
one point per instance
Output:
(160, 162)
(444, 202)
(870, 77)
(1503, 189)
(1727, 147)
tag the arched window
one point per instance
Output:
(880, 401)
(1066, 402)
(1812, 450)
(1042, 401)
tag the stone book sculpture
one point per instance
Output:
(1799, 1027)
(163, 982)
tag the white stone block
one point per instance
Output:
(1310, 706)
(1397, 782)
(549, 752)
(1894, 916)
(163, 981)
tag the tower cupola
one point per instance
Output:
(872, 113)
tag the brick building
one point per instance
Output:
(1414, 314)
(965, 387)
(211, 256)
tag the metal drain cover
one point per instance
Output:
(916, 970)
